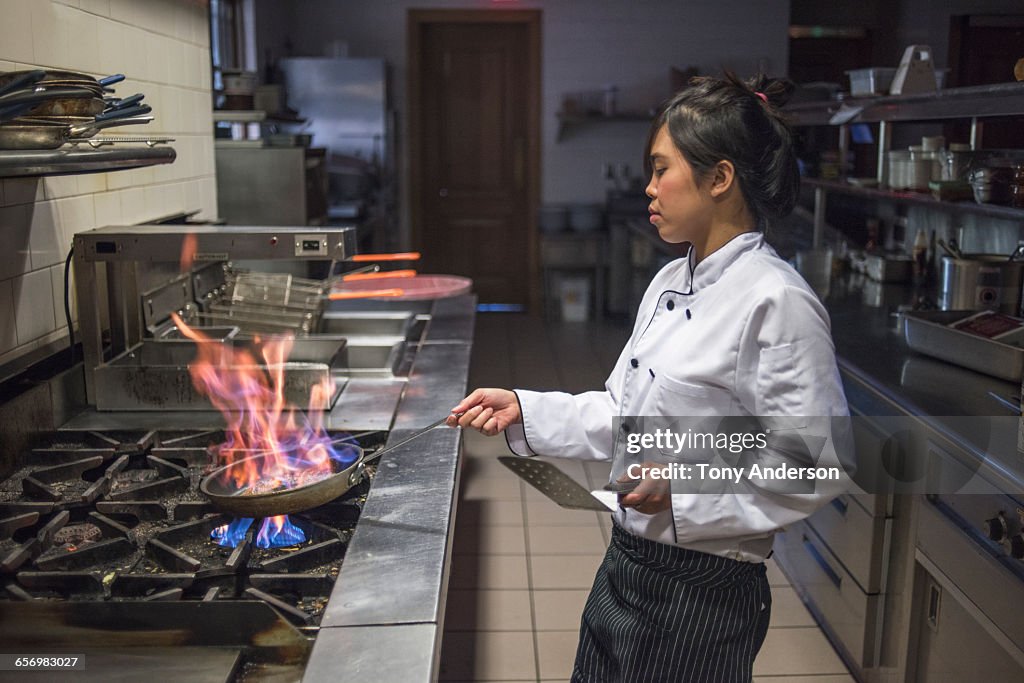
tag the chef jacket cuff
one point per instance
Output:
(515, 435)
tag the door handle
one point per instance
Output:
(841, 505)
(822, 562)
(443, 192)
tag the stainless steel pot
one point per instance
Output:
(981, 282)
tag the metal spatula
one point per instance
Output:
(553, 483)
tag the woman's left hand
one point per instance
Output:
(650, 497)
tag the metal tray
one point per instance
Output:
(927, 332)
(154, 376)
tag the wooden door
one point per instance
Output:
(475, 161)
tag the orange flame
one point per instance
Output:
(260, 421)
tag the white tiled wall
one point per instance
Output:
(163, 47)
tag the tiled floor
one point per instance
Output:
(522, 566)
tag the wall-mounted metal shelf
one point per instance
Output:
(917, 199)
(974, 103)
(568, 121)
(983, 101)
(82, 159)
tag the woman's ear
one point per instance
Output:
(723, 178)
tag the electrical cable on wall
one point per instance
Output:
(67, 305)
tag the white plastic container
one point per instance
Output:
(873, 81)
(877, 80)
(899, 169)
(575, 295)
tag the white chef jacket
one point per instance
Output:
(739, 333)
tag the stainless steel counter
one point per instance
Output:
(874, 355)
(385, 617)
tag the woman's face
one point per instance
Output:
(680, 208)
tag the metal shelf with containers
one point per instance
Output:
(595, 107)
(973, 103)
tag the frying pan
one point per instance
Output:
(54, 77)
(23, 79)
(42, 134)
(219, 485)
(222, 492)
(107, 115)
(86, 106)
(17, 102)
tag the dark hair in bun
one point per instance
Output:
(717, 119)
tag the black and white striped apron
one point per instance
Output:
(661, 613)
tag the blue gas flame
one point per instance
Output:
(271, 536)
(230, 535)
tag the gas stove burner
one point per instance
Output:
(77, 535)
(107, 518)
(149, 479)
(132, 477)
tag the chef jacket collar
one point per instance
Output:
(713, 266)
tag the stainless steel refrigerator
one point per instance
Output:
(345, 103)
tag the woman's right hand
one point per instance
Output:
(489, 411)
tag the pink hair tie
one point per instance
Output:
(763, 97)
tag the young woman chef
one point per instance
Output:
(729, 329)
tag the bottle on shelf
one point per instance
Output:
(919, 253)
(610, 101)
(1017, 188)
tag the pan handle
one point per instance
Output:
(401, 256)
(355, 277)
(366, 294)
(115, 104)
(89, 129)
(381, 451)
(112, 114)
(111, 80)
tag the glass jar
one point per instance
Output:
(919, 170)
(957, 162)
(899, 160)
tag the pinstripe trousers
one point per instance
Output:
(661, 613)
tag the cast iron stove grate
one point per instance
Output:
(130, 525)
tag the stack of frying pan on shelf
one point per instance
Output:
(45, 109)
